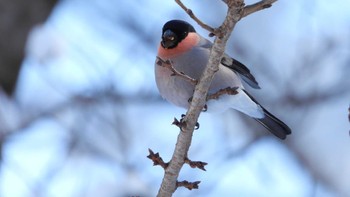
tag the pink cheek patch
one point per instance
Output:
(188, 43)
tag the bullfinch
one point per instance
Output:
(188, 53)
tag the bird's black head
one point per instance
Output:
(174, 32)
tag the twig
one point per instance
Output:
(188, 185)
(199, 22)
(196, 164)
(228, 91)
(157, 160)
(249, 9)
(167, 64)
(179, 123)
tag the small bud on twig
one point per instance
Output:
(188, 185)
(157, 160)
(196, 164)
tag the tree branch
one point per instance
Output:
(249, 9)
(199, 22)
(236, 11)
(167, 64)
(225, 91)
(188, 185)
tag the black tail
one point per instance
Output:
(271, 123)
(274, 125)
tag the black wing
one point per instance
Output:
(242, 70)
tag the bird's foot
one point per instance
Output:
(181, 123)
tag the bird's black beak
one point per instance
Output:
(169, 39)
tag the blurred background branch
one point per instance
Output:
(17, 18)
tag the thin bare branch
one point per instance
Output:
(167, 64)
(249, 9)
(188, 185)
(196, 164)
(199, 22)
(225, 91)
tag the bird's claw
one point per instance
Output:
(180, 123)
(196, 127)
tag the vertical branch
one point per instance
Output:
(236, 11)
(184, 139)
